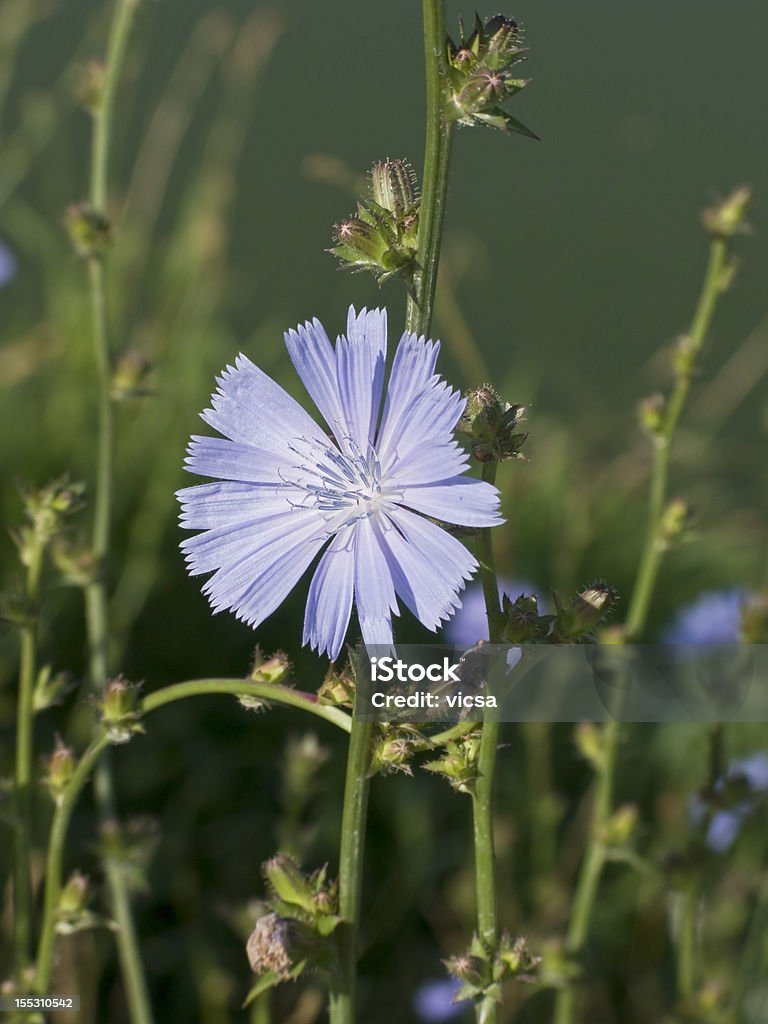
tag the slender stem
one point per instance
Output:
(437, 155)
(342, 1001)
(22, 888)
(654, 545)
(482, 797)
(244, 688)
(686, 942)
(653, 551)
(96, 597)
(56, 844)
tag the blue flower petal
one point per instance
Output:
(227, 504)
(459, 500)
(412, 370)
(251, 408)
(374, 589)
(329, 604)
(428, 567)
(257, 572)
(223, 459)
(315, 360)
(361, 363)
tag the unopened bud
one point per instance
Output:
(651, 414)
(60, 767)
(675, 519)
(50, 688)
(74, 895)
(729, 217)
(130, 377)
(491, 424)
(288, 883)
(620, 827)
(119, 710)
(586, 611)
(393, 186)
(89, 230)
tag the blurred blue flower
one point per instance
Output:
(284, 488)
(713, 618)
(726, 824)
(7, 264)
(470, 622)
(433, 1002)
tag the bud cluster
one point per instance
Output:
(458, 762)
(491, 426)
(480, 76)
(273, 670)
(392, 748)
(292, 933)
(382, 236)
(574, 622)
(46, 509)
(483, 970)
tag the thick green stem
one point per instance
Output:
(56, 843)
(96, 598)
(437, 155)
(342, 1002)
(482, 797)
(22, 889)
(653, 551)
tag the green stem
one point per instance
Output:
(686, 942)
(244, 688)
(342, 1000)
(22, 887)
(96, 597)
(482, 797)
(56, 845)
(437, 155)
(653, 551)
(654, 544)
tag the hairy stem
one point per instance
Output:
(437, 155)
(22, 889)
(342, 1002)
(653, 551)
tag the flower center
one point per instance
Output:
(335, 482)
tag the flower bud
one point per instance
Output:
(273, 670)
(60, 767)
(590, 743)
(458, 762)
(288, 883)
(119, 710)
(517, 958)
(89, 87)
(521, 618)
(620, 827)
(650, 412)
(50, 688)
(392, 751)
(729, 217)
(338, 688)
(74, 895)
(130, 376)
(675, 519)
(585, 612)
(490, 424)
(393, 187)
(89, 230)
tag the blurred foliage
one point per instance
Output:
(569, 266)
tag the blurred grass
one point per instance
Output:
(569, 266)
